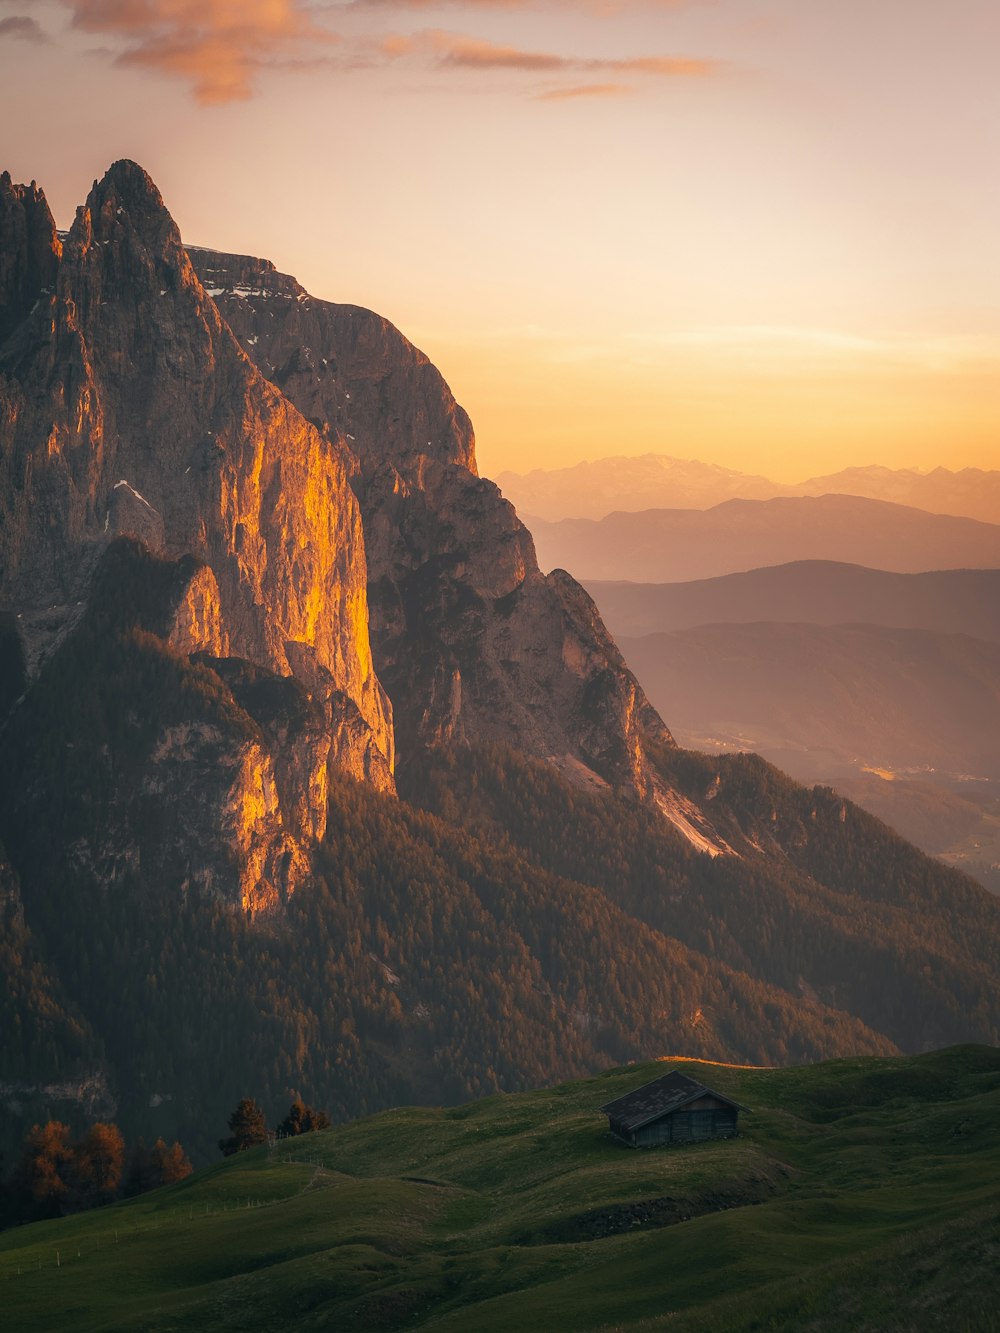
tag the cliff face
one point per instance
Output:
(292, 468)
(471, 640)
(159, 763)
(126, 406)
(29, 251)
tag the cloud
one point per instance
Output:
(585, 90)
(474, 53)
(594, 8)
(23, 28)
(218, 46)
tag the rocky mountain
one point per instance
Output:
(129, 408)
(672, 545)
(471, 640)
(815, 592)
(657, 481)
(247, 566)
(971, 492)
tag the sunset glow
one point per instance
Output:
(761, 234)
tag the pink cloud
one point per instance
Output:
(585, 90)
(473, 53)
(218, 46)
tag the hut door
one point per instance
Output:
(701, 1124)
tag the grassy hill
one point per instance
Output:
(861, 1195)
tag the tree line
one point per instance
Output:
(56, 1174)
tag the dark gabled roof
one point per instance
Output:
(660, 1097)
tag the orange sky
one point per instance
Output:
(761, 234)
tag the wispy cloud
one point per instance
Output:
(216, 45)
(474, 53)
(221, 47)
(22, 28)
(594, 8)
(452, 50)
(585, 90)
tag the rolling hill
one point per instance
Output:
(669, 545)
(816, 592)
(860, 1194)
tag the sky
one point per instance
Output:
(762, 233)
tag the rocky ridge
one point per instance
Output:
(307, 485)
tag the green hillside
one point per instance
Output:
(862, 1194)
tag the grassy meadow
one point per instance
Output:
(862, 1194)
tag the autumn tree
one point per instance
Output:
(149, 1168)
(302, 1119)
(248, 1128)
(96, 1168)
(43, 1175)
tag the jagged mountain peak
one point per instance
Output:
(131, 376)
(29, 251)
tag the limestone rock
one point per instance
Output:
(29, 251)
(126, 372)
(471, 641)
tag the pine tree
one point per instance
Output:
(248, 1128)
(302, 1119)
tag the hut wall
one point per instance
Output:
(689, 1125)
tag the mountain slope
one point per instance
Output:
(815, 592)
(860, 1194)
(668, 545)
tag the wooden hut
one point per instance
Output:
(672, 1109)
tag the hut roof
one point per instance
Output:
(663, 1095)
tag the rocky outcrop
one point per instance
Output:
(126, 406)
(29, 251)
(472, 642)
(185, 771)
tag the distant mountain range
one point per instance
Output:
(901, 712)
(819, 592)
(593, 489)
(667, 545)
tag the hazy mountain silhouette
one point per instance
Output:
(593, 489)
(667, 545)
(818, 592)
